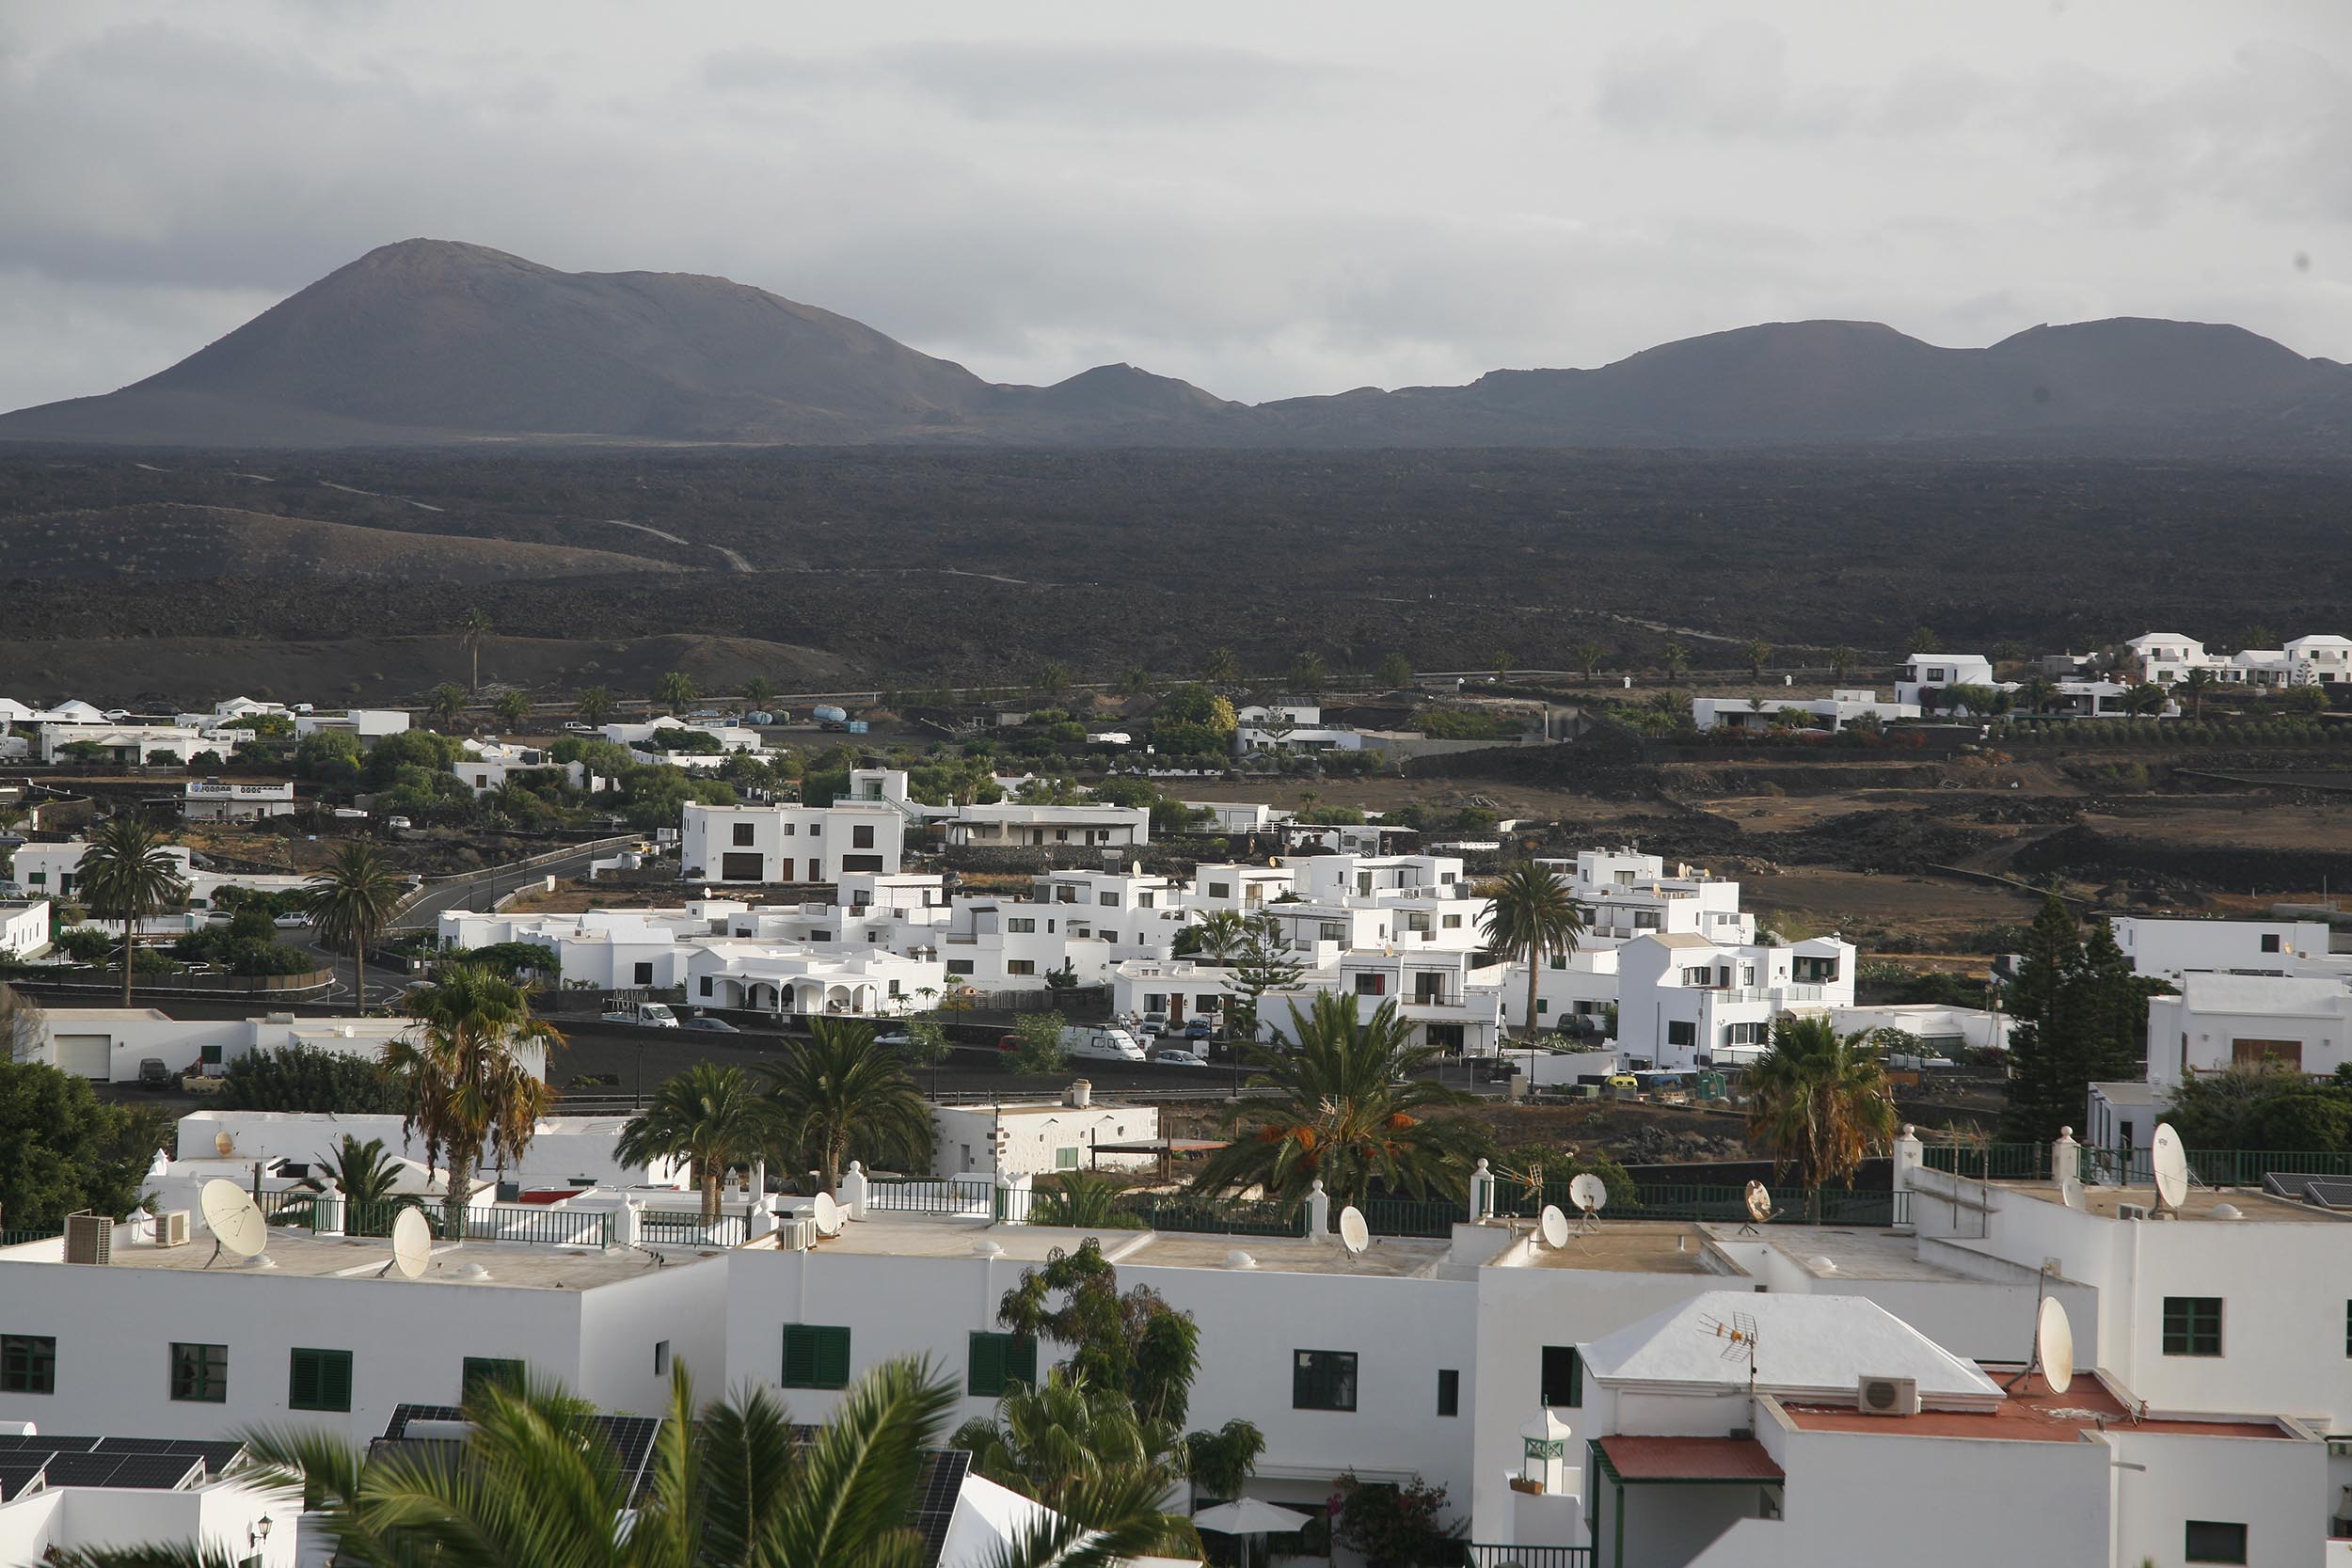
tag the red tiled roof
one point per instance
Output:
(1690, 1459)
(2031, 1415)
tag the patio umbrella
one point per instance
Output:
(1249, 1516)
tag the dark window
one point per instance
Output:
(861, 836)
(1681, 1032)
(1449, 1391)
(996, 1361)
(816, 1356)
(1563, 1375)
(1323, 1380)
(482, 1370)
(2210, 1541)
(705, 985)
(742, 868)
(742, 836)
(2192, 1325)
(2270, 942)
(645, 974)
(662, 1358)
(860, 863)
(28, 1364)
(321, 1380)
(200, 1372)
(1372, 985)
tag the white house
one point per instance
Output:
(2166, 948)
(110, 1044)
(24, 927)
(1243, 889)
(1932, 672)
(636, 734)
(367, 725)
(2220, 1020)
(124, 743)
(1832, 712)
(868, 983)
(96, 1494)
(48, 870)
(2166, 658)
(1684, 1001)
(1049, 827)
(791, 843)
(486, 765)
(1032, 1138)
(218, 801)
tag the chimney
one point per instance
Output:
(1080, 1094)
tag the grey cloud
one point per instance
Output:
(1730, 81)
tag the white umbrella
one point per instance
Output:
(1250, 1517)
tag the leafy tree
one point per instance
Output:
(675, 690)
(1394, 1526)
(1135, 1344)
(1222, 1462)
(2264, 1105)
(517, 960)
(1819, 1103)
(63, 1150)
(733, 1483)
(594, 705)
(420, 748)
(713, 1116)
(1063, 981)
(1394, 671)
(447, 704)
(2080, 1016)
(1345, 1108)
(1063, 1441)
(463, 1077)
(86, 944)
(1842, 661)
(127, 874)
(1588, 655)
(352, 902)
(473, 629)
(305, 1078)
(839, 1097)
(512, 707)
(1037, 1044)
(1532, 916)
(1260, 965)
(330, 756)
(1677, 658)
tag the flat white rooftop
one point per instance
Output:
(298, 1255)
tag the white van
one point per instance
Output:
(1100, 1043)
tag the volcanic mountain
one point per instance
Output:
(433, 342)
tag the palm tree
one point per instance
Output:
(1220, 667)
(1052, 678)
(594, 705)
(1677, 658)
(1758, 653)
(368, 1179)
(676, 691)
(473, 629)
(1819, 1103)
(758, 691)
(1308, 675)
(2144, 699)
(839, 1096)
(512, 707)
(1065, 1444)
(734, 1482)
(1136, 682)
(128, 874)
(2039, 692)
(1221, 933)
(1532, 916)
(1085, 1201)
(1842, 661)
(1588, 657)
(463, 1077)
(353, 901)
(1923, 640)
(714, 1116)
(2196, 684)
(446, 704)
(1500, 664)
(1345, 1108)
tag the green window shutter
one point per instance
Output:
(1021, 1361)
(984, 1365)
(800, 1356)
(302, 1383)
(832, 1358)
(335, 1380)
(1576, 1376)
(482, 1369)
(320, 1380)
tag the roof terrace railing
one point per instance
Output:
(2131, 1168)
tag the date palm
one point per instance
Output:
(2195, 685)
(1220, 667)
(841, 1096)
(594, 705)
(1084, 1201)
(676, 691)
(758, 691)
(512, 707)
(128, 874)
(1842, 661)
(1819, 1103)
(1532, 916)
(1759, 654)
(353, 901)
(1343, 1108)
(733, 1482)
(1677, 658)
(463, 1074)
(713, 1116)
(368, 1179)
(446, 704)
(1063, 1443)
(1221, 933)
(473, 629)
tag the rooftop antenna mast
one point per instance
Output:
(1739, 1340)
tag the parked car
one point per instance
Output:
(1199, 1029)
(397, 824)
(1153, 1025)
(291, 922)
(715, 1026)
(651, 1015)
(574, 727)
(1171, 1057)
(153, 1074)
(1100, 1043)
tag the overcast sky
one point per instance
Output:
(1266, 199)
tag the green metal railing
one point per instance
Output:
(2130, 1168)
(922, 1196)
(1990, 1162)
(1476, 1555)
(1405, 1216)
(32, 1233)
(685, 1227)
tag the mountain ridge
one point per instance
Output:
(435, 342)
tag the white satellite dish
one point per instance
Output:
(827, 1213)
(1355, 1234)
(2071, 1193)
(412, 1242)
(2054, 1344)
(234, 1219)
(1759, 1201)
(1589, 1192)
(2171, 1166)
(1554, 1226)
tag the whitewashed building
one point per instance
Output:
(2219, 1020)
(1039, 1138)
(1684, 1001)
(24, 927)
(791, 843)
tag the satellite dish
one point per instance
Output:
(2171, 1166)
(1554, 1226)
(1589, 1192)
(827, 1213)
(2054, 1343)
(233, 1218)
(1355, 1234)
(2070, 1194)
(412, 1242)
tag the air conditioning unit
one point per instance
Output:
(2131, 1210)
(171, 1228)
(88, 1238)
(1887, 1396)
(796, 1235)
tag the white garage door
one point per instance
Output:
(85, 1055)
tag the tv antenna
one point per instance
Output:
(2172, 1168)
(1760, 1210)
(1355, 1235)
(1590, 1195)
(412, 1245)
(1553, 1226)
(237, 1223)
(1740, 1340)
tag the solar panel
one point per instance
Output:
(18, 1474)
(49, 1445)
(397, 1427)
(935, 1500)
(218, 1455)
(629, 1439)
(2335, 1192)
(147, 1471)
(2281, 1185)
